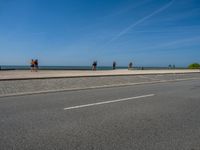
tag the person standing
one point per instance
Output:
(32, 65)
(94, 65)
(130, 65)
(36, 65)
(114, 65)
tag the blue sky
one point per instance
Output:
(76, 32)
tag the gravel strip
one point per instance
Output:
(37, 85)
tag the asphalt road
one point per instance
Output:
(162, 116)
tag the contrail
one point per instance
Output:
(141, 20)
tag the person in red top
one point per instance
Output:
(36, 65)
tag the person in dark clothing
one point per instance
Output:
(94, 65)
(130, 65)
(114, 65)
(36, 65)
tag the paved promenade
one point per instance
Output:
(26, 74)
(53, 81)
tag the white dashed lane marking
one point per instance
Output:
(107, 102)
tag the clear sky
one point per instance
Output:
(76, 32)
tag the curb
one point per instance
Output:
(86, 76)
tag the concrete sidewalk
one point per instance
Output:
(42, 74)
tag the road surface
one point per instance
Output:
(160, 116)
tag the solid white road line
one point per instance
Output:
(111, 101)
